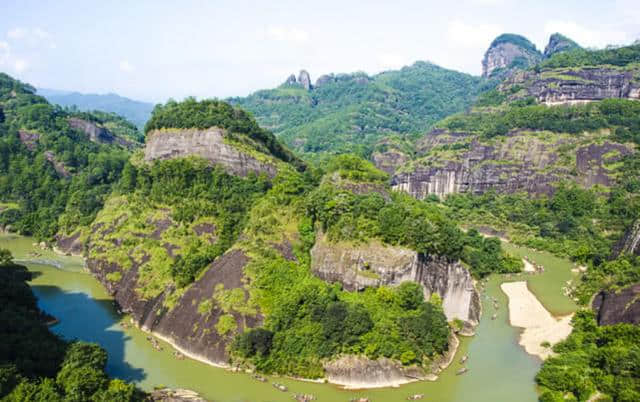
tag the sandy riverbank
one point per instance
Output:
(525, 311)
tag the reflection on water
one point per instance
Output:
(499, 369)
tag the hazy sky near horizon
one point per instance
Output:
(155, 49)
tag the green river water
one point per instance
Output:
(499, 369)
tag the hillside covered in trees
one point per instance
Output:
(352, 112)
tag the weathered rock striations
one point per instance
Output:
(508, 52)
(614, 307)
(374, 264)
(523, 161)
(209, 144)
(574, 86)
(98, 134)
(630, 241)
(304, 79)
(184, 325)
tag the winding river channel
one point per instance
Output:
(499, 368)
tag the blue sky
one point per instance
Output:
(153, 50)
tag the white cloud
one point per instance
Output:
(472, 35)
(17, 33)
(34, 37)
(126, 66)
(5, 52)
(283, 33)
(20, 65)
(587, 36)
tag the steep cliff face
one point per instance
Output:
(559, 43)
(618, 307)
(522, 161)
(187, 319)
(97, 133)
(508, 52)
(209, 144)
(576, 85)
(374, 264)
(630, 241)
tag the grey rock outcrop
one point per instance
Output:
(614, 307)
(208, 144)
(508, 52)
(291, 80)
(304, 79)
(559, 43)
(360, 372)
(374, 264)
(574, 86)
(184, 326)
(388, 161)
(630, 241)
(97, 133)
(521, 162)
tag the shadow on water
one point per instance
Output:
(92, 320)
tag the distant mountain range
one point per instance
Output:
(135, 111)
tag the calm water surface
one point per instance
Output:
(499, 369)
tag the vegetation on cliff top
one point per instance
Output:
(616, 56)
(191, 113)
(515, 39)
(36, 365)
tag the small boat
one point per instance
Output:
(415, 397)
(462, 371)
(493, 317)
(464, 359)
(360, 400)
(280, 387)
(259, 378)
(304, 397)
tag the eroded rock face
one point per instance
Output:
(504, 55)
(192, 331)
(58, 165)
(575, 86)
(375, 264)
(304, 79)
(96, 133)
(208, 144)
(390, 160)
(522, 162)
(325, 79)
(618, 307)
(360, 372)
(630, 241)
(29, 139)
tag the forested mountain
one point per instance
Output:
(56, 166)
(550, 159)
(135, 111)
(219, 238)
(352, 112)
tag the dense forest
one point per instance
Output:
(35, 364)
(352, 112)
(53, 177)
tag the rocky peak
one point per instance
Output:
(559, 43)
(291, 80)
(508, 52)
(304, 79)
